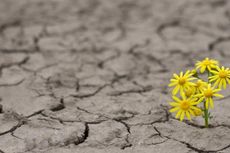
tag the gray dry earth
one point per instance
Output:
(83, 76)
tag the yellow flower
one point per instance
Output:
(208, 93)
(190, 91)
(194, 72)
(221, 77)
(200, 85)
(198, 112)
(181, 82)
(184, 106)
(207, 63)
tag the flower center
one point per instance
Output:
(208, 93)
(206, 62)
(182, 81)
(197, 112)
(188, 93)
(198, 84)
(184, 105)
(223, 74)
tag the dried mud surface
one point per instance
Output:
(91, 75)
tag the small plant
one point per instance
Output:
(193, 91)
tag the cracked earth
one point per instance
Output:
(91, 75)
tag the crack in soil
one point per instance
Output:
(81, 96)
(114, 80)
(163, 26)
(219, 40)
(59, 107)
(119, 93)
(85, 135)
(20, 123)
(13, 23)
(190, 146)
(3, 66)
(13, 84)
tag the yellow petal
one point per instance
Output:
(218, 68)
(217, 82)
(178, 113)
(187, 72)
(174, 104)
(220, 84)
(228, 80)
(218, 95)
(202, 69)
(173, 80)
(174, 109)
(188, 115)
(214, 76)
(194, 108)
(191, 112)
(175, 90)
(201, 99)
(195, 103)
(216, 90)
(172, 84)
(176, 99)
(224, 84)
(211, 103)
(198, 65)
(206, 103)
(176, 76)
(190, 79)
(209, 68)
(191, 83)
(183, 95)
(182, 116)
(214, 72)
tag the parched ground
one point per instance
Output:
(83, 76)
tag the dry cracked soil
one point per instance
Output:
(83, 76)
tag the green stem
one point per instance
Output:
(206, 115)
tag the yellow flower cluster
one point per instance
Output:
(190, 90)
